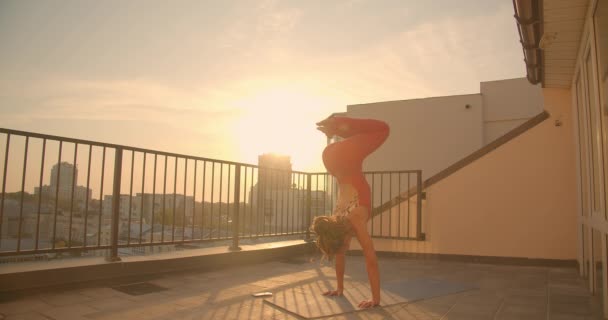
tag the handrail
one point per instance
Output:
(136, 149)
(220, 200)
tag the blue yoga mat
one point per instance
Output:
(306, 300)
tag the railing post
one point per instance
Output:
(116, 205)
(308, 205)
(419, 197)
(237, 200)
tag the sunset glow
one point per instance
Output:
(234, 80)
(272, 124)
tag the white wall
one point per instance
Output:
(507, 104)
(519, 200)
(427, 134)
(432, 133)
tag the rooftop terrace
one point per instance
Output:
(412, 289)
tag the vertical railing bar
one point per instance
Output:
(267, 191)
(263, 180)
(103, 166)
(194, 198)
(174, 201)
(336, 189)
(259, 204)
(267, 204)
(162, 234)
(269, 194)
(86, 202)
(409, 202)
(296, 197)
(251, 203)
(185, 186)
(228, 206)
(57, 193)
(245, 197)
(72, 195)
(256, 211)
(325, 176)
(27, 140)
(143, 196)
(290, 203)
(153, 200)
(331, 197)
(282, 190)
(294, 193)
(297, 202)
(130, 197)
(276, 201)
(280, 216)
(203, 198)
(237, 196)
(287, 192)
(300, 202)
(419, 205)
(308, 210)
(289, 180)
(219, 219)
(372, 201)
(271, 205)
(381, 201)
(316, 192)
(390, 198)
(116, 185)
(40, 193)
(211, 202)
(399, 206)
(8, 142)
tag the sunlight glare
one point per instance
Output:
(282, 121)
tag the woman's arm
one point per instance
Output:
(359, 223)
(340, 267)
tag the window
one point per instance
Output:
(600, 21)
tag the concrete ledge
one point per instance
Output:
(517, 261)
(71, 272)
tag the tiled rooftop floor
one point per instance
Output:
(502, 292)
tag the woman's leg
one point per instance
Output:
(365, 135)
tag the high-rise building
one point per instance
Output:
(64, 186)
(274, 172)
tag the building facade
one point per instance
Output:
(433, 133)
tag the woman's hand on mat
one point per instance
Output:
(368, 304)
(333, 293)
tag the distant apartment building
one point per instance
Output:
(147, 204)
(274, 171)
(64, 187)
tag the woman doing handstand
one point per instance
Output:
(344, 160)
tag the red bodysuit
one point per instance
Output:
(344, 159)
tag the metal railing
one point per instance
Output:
(127, 197)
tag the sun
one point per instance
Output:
(282, 121)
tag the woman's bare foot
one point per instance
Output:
(333, 293)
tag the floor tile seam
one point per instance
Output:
(443, 317)
(497, 311)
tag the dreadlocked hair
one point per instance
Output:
(330, 232)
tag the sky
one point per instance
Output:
(234, 79)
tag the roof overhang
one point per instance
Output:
(550, 32)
